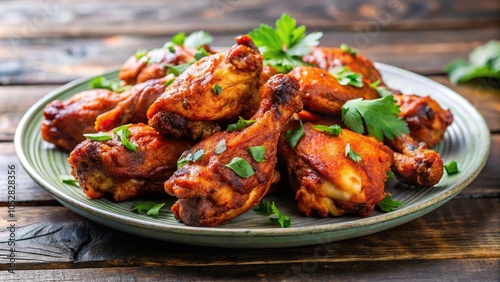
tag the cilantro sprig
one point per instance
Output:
(267, 208)
(240, 124)
(345, 76)
(283, 47)
(241, 167)
(101, 82)
(381, 90)
(121, 131)
(351, 153)
(190, 157)
(294, 135)
(380, 116)
(388, 204)
(148, 208)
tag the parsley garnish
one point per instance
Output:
(451, 168)
(99, 136)
(379, 115)
(381, 90)
(257, 153)
(191, 157)
(484, 61)
(283, 47)
(350, 152)
(344, 47)
(68, 179)
(345, 76)
(140, 53)
(194, 40)
(294, 135)
(217, 89)
(200, 54)
(240, 124)
(334, 130)
(389, 174)
(149, 208)
(103, 83)
(123, 133)
(220, 147)
(241, 167)
(388, 204)
(267, 208)
(178, 69)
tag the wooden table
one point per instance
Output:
(44, 44)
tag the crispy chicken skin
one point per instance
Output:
(191, 108)
(327, 58)
(134, 108)
(154, 64)
(108, 169)
(326, 181)
(65, 122)
(210, 193)
(426, 119)
(415, 162)
(322, 92)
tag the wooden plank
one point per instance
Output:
(423, 270)
(42, 61)
(54, 18)
(30, 193)
(53, 237)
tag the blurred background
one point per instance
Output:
(55, 41)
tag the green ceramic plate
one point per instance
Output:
(467, 141)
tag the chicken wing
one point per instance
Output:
(210, 193)
(415, 162)
(216, 88)
(108, 169)
(134, 108)
(65, 122)
(323, 93)
(326, 181)
(426, 119)
(328, 58)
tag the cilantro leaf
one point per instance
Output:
(451, 168)
(267, 208)
(240, 124)
(197, 39)
(123, 133)
(388, 204)
(294, 135)
(220, 147)
(178, 38)
(257, 153)
(241, 167)
(381, 90)
(379, 115)
(350, 152)
(264, 208)
(344, 47)
(217, 89)
(99, 136)
(149, 208)
(104, 83)
(334, 130)
(345, 76)
(190, 157)
(484, 61)
(283, 47)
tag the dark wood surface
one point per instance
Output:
(44, 44)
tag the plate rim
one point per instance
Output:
(410, 212)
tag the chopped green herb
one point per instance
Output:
(68, 179)
(217, 89)
(177, 70)
(170, 46)
(149, 208)
(267, 208)
(379, 115)
(220, 147)
(179, 38)
(388, 204)
(344, 47)
(294, 135)
(334, 130)
(484, 61)
(101, 82)
(140, 53)
(241, 167)
(121, 127)
(350, 152)
(257, 153)
(190, 157)
(123, 133)
(381, 90)
(451, 168)
(240, 124)
(200, 53)
(389, 175)
(345, 76)
(197, 39)
(284, 46)
(168, 82)
(99, 136)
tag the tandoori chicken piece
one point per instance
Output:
(426, 119)
(215, 89)
(210, 193)
(323, 93)
(134, 108)
(65, 122)
(329, 182)
(108, 169)
(415, 162)
(328, 58)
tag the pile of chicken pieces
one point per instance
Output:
(189, 117)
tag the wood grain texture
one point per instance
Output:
(51, 61)
(53, 237)
(56, 18)
(422, 270)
